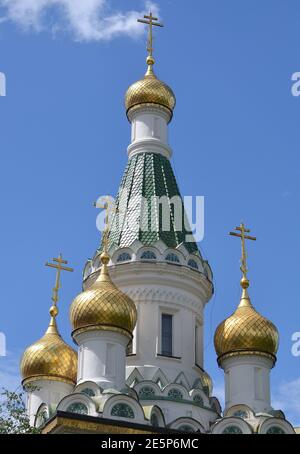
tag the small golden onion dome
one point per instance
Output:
(103, 306)
(246, 332)
(150, 90)
(49, 358)
(206, 381)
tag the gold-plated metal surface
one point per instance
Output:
(109, 206)
(206, 381)
(246, 331)
(241, 228)
(151, 21)
(50, 357)
(103, 306)
(58, 268)
(150, 90)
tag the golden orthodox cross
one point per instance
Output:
(243, 237)
(150, 20)
(59, 262)
(108, 206)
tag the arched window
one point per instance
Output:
(78, 407)
(232, 430)
(146, 392)
(88, 392)
(186, 428)
(88, 268)
(122, 411)
(198, 399)
(193, 264)
(148, 255)
(175, 394)
(171, 257)
(129, 348)
(42, 416)
(154, 420)
(275, 430)
(124, 257)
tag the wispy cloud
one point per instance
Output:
(287, 398)
(83, 20)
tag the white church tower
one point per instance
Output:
(246, 344)
(161, 270)
(103, 320)
(49, 366)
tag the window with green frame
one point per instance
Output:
(78, 407)
(275, 430)
(122, 411)
(232, 430)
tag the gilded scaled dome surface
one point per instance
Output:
(246, 331)
(49, 358)
(103, 306)
(150, 90)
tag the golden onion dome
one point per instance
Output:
(103, 306)
(49, 358)
(150, 90)
(246, 331)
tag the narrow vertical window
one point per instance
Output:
(129, 348)
(196, 346)
(110, 367)
(167, 334)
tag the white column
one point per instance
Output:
(102, 358)
(149, 131)
(247, 381)
(49, 392)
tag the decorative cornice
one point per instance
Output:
(30, 380)
(101, 327)
(149, 145)
(246, 353)
(149, 108)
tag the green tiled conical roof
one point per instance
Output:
(147, 175)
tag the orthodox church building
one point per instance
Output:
(137, 365)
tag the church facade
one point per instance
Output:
(138, 323)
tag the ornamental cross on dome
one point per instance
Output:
(243, 237)
(59, 262)
(151, 21)
(109, 206)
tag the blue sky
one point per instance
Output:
(235, 137)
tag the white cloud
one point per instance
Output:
(84, 20)
(287, 398)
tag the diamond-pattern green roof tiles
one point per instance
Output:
(148, 175)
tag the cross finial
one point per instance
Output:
(151, 21)
(59, 265)
(107, 205)
(241, 228)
